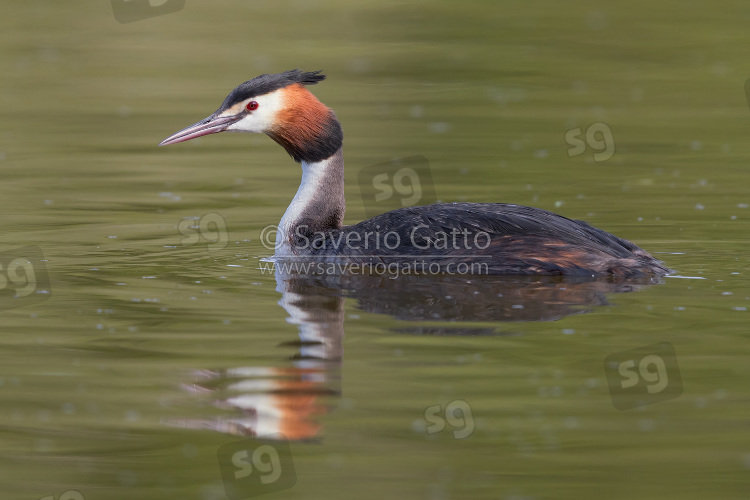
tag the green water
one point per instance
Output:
(126, 379)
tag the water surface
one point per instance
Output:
(152, 350)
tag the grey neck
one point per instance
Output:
(318, 205)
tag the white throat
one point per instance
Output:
(313, 178)
(318, 204)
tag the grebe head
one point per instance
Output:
(280, 106)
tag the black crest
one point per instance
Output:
(264, 84)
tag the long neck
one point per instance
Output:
(317, 207)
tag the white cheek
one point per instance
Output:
(263, 118)
(250, 123)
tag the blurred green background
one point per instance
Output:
(92, 377)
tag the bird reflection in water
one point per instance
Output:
(289, 400)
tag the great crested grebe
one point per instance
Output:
(503, 238)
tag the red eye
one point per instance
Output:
(252, 106)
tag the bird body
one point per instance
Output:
(500, 238)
